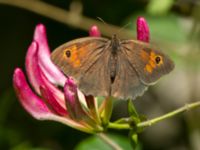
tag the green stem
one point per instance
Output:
(169, 115)
(107, 110)
(118, 126)
(109, 141)
(121, 126)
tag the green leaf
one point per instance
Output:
(133, 139)
(159, 7)
(107, 110)
(95, 143)
(132, 112)
(131, 109)
(100, 99)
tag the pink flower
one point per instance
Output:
(142, 30)
(45, 101)
(94, 31)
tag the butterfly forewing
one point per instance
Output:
(76, 56)
(85, 60)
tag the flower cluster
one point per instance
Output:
(54, 96)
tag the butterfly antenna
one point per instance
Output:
(123, 27)
(100, 19)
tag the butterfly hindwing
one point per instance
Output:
(149, 63)
(127, 83)
(96, 80)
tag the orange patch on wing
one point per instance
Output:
(148, 68)
(74, 58)
(152, 55)
(82, 52)
(151, 65)
(144, 55)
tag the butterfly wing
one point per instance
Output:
(96, 80)
(149, 63)
(127, 83)
(84, 59)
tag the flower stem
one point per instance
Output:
(169, 115)
(107, 110)
(109, 141)
(121, 126)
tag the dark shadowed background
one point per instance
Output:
(174, 27)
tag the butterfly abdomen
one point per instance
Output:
(114, 48)
(113, 67)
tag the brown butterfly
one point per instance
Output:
(111, 67)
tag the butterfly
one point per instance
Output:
(111, 67)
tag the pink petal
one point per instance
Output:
(94, 31)
(71, 99)
(142, 30)
(53, 74)
(52, 102)
(36, 107)
(31, 65)
(36, 76)
(41, 38)
(58, 95)
(31, 102)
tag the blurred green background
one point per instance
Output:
(174, 27)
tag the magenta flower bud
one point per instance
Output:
(142, 30)
(36, 76)
(32, 68)
(94, 31)
(30, 101)
(53, 74)
(72, 100)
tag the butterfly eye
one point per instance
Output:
(68, 53)
(157, 59)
